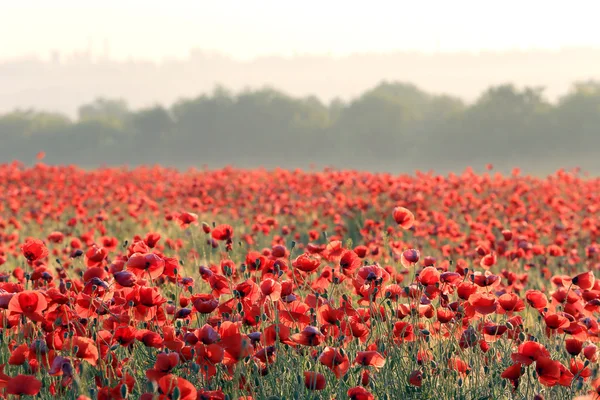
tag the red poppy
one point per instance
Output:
(510, 302)
(95, 256)
(458, 365)
(416, 378)
(585, 280)
(306, 262)
(146, 265)
(86, 348)
(310, 336)
(548, 371)
(335, 360)
(513, 373)
(369, 359)
(165, 362)
(573, 346)
(29, 303)
(410, 257)
(23, 385)
(314, 380)
(536, 299)
(34, 250)
(222, 232)
(168, 384)
(529, 352)
(186, 219)
(483, 303)
(403, 217)
(429, 276)
(359, 393)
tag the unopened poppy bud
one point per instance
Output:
(124, 391)
(176, 393)
(460, 382)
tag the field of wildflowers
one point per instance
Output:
(152, 283)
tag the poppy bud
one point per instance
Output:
(365, 378)
(124, 391)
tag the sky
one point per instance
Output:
(248, 29)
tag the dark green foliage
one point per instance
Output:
(394, 127)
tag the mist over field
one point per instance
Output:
(394, 113)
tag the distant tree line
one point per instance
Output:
(394, 127)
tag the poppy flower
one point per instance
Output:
(349, 262)
(164, 364)
(271, 289)
(510, 302)
(403, 217)
(369, 359)
(310, 336)
(144, 265)
(85, 348)
(125, 278)
(222, 232)
(578, 368)
(23, 385)
(403, 332)
(488, 261)
(529, 352)
(168, 384)
(337, 362)
(416, 378)
(410, 257)
(513, 373)
(589, 352)
(314, 380)
(29, 303)
(95, 256)
(585, 281)
(536, 299)
(429, 276)
(548, 371)
(359, 393)
(186, 219)
(573, 346)
(483, 303)
(458, 365)
(555, 321)
(306, 262)
(34, 250)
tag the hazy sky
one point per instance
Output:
(246, 29)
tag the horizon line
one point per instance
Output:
(78, 55)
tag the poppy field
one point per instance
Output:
(154, 283)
